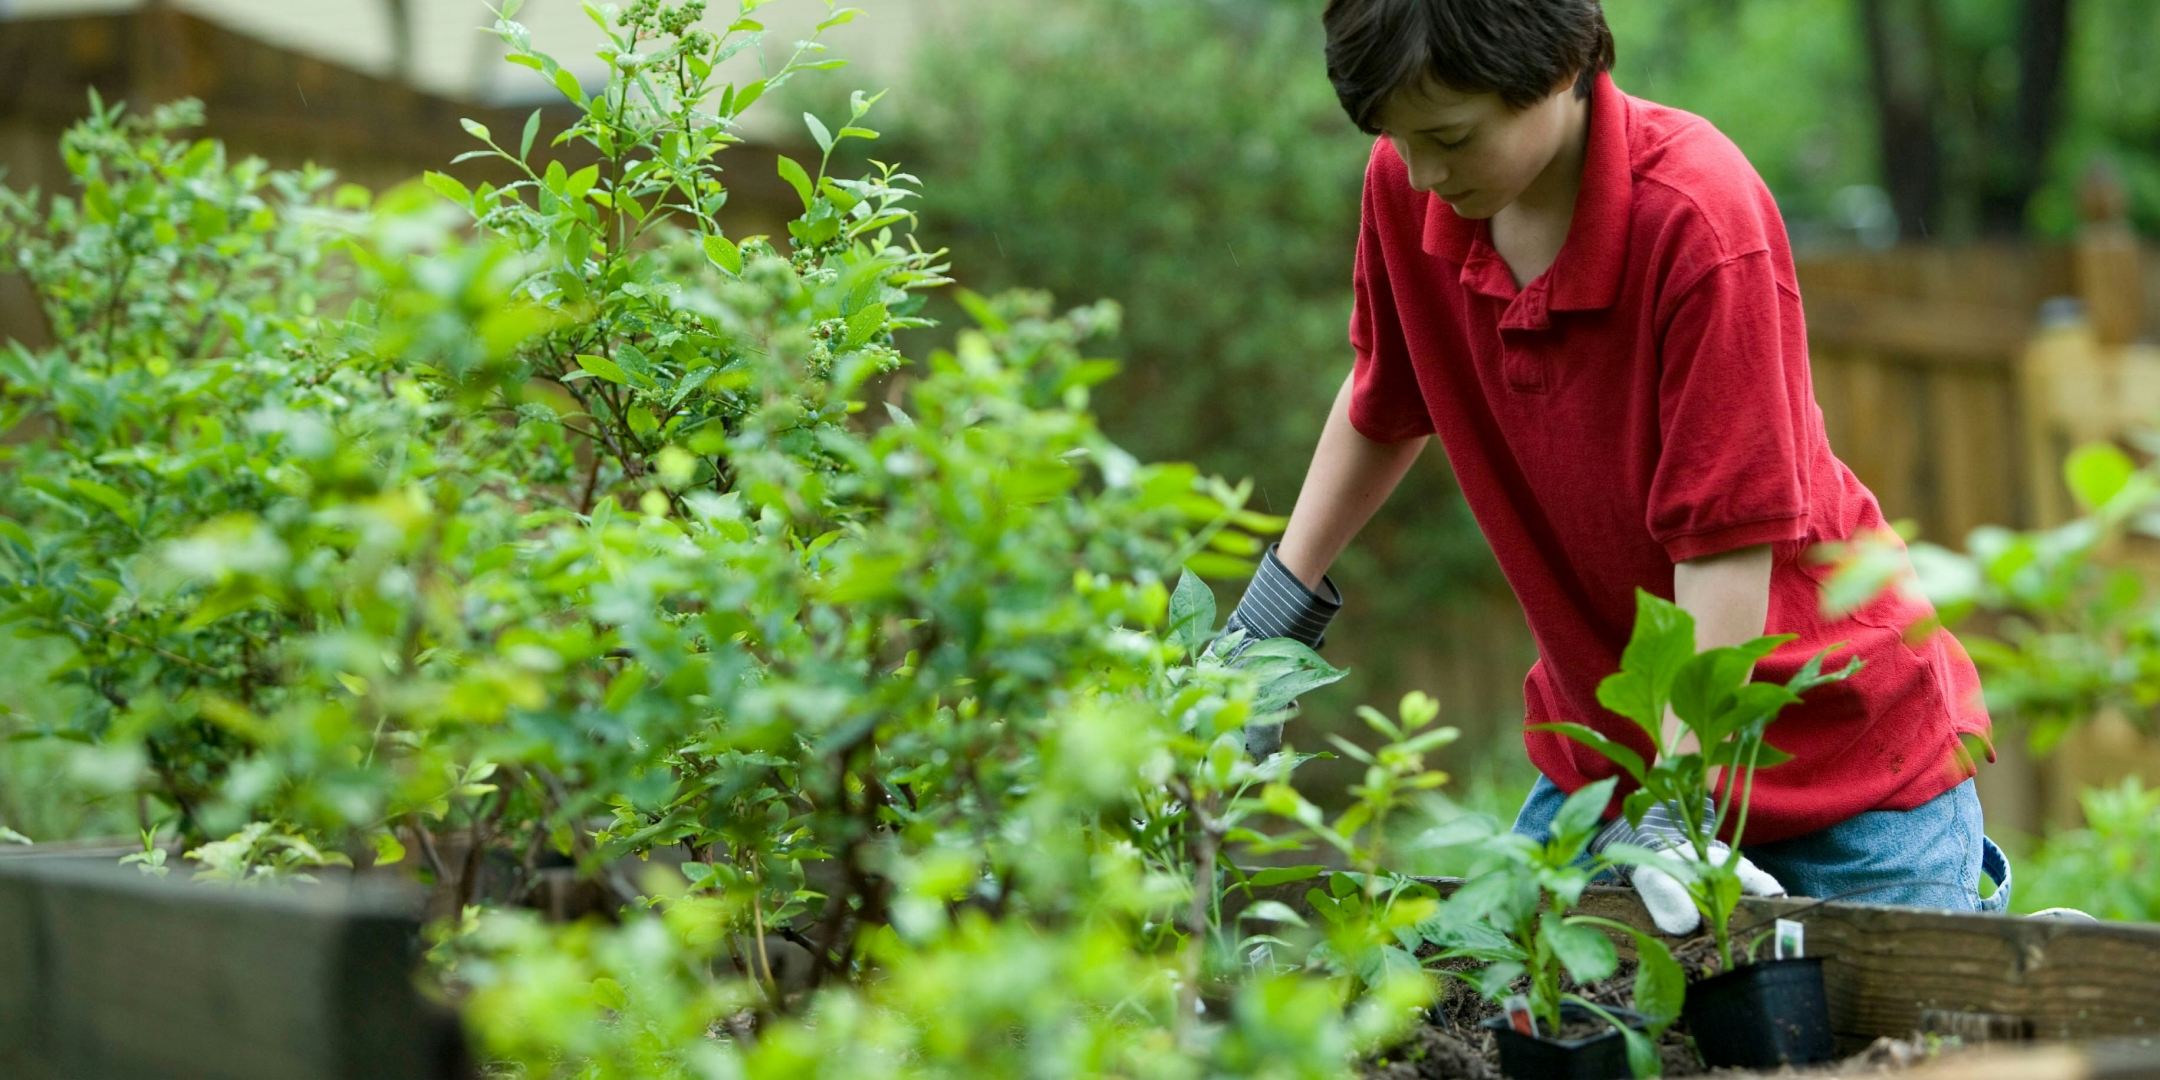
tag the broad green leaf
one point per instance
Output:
(389, 851)
(1587, 954)
(1272, 911)
(1614, 751)
(2096, 472)
(1704, 685)
(532, 131)
(1660, 983)
(1663, 640)
(1483, 895)
(98, 203)
(1287, 670)
(1740, 753)
(1192, 613)
(476, 129)
(792, 172)
(1811, 674)
(1495, 981)
(865, 324)
(1279, 875)
(1747, 710)
(106, 496)
(723, 253)
(1643, 1056)
(581, 182)
(566, 84)
(602, 367)
(745, 96)
(1472, 938)
(1578, 816)
(819, 132)
(448, 187)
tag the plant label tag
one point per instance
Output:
(1791, 940)
(1520, 1016)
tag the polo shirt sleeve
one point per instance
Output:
(1731, 388)
(1385, 403)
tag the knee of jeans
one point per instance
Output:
(1996, 866)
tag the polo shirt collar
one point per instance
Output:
(1586, 276)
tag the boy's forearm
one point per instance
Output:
(1349, 478)
(1729, 596)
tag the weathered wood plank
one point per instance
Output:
(1939, 331)
(2113, 1060)
(2067, 980)
(112, 975)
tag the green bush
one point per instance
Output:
(2109, 869)
(475, 530)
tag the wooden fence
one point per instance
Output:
(1947, 396)
(1922, 367)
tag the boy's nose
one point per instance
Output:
(1426, 172)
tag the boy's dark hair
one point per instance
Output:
(1516, 48)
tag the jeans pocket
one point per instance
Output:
(1996, 866)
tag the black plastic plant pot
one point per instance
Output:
(1762, 1016)
(1599, 1057)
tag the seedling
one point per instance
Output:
(1515, 920)
(1715, 699)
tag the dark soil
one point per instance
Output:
(1572, 1029)
(1451, 1045)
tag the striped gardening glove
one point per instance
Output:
(1663, 832)
(1277, 605)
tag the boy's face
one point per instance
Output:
(1472, 150)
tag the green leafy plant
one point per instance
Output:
(1514, 920)
(2110, 868)
(2072, 626)
(1718, 703)
(1369, 911)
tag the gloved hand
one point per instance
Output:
(1662, 893)
(1277, 605)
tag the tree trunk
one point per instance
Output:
(1902, 76)
(2043, 38)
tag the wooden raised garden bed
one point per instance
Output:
(106, 974)
(2051, 999)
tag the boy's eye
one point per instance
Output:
(1445, 144)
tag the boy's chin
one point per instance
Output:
(1475, 206)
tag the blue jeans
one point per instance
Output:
(1931, 856)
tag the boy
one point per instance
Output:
(1590, 299)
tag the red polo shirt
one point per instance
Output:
(1644, 402)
